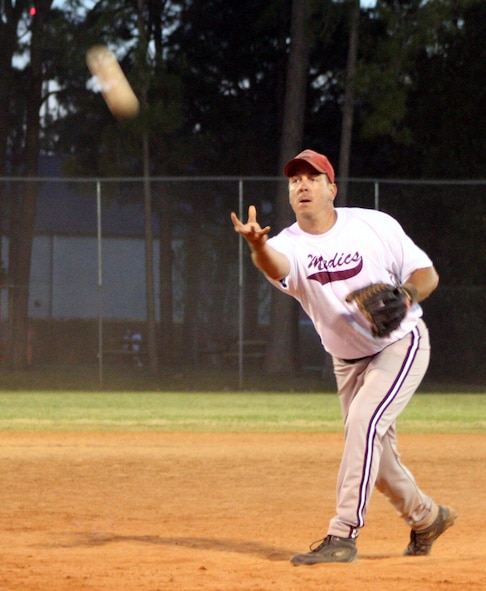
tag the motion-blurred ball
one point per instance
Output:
(116, 90)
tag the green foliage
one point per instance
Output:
(387, 100)
(231, 59)
(98, 143)
(418, 83)
(385, 72)
(214, 71)
(446, 108)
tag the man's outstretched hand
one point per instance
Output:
(254, 234)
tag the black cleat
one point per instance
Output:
(331, 549)
(421, 540)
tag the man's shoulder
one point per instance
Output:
(292, 230)
(372, 217)
(361, 212)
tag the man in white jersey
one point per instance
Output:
(319, 260)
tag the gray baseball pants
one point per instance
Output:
(372, 393)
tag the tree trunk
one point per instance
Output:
(282, 353)
(149, 262)
(20, 255)
(147, 200)
(348, 108)
(22, 225)
(8, 42)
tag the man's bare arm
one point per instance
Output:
(422, 283)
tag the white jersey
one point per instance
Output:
(364, 246)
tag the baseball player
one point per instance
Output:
(360, 279)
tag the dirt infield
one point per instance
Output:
(212, 512)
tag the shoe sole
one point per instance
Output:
(337, 557)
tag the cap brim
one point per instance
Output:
(291, 165)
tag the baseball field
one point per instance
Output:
(186, 491)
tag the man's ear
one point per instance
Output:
(334, 190)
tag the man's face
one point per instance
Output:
(310, 192)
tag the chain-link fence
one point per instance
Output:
(88, 275)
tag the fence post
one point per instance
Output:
(100, 284)
(240, 289)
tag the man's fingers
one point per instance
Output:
(252, 214)
(251, 217)
(263, 231)
(235, 220)
(251, 230)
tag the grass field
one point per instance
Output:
(222, 412)
(69, 399)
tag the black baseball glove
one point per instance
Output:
(383, 305)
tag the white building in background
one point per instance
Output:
(65, 277)
(73, 271)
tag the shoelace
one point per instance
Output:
(320, 544)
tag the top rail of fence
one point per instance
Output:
(185, 179)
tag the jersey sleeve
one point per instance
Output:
(284, 245)
(407, 255)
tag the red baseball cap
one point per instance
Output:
(316, 160)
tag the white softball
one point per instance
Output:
(115, 88)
